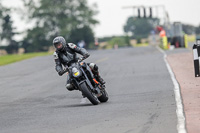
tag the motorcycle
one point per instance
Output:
(83, 80)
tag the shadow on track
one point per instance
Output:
(73, 105)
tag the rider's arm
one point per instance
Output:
(58, 63)
(79, 50)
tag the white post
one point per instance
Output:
(196, 59)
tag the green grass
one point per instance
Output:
(7, 59)
(140, 45)
(191, 38)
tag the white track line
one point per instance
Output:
(179, 106)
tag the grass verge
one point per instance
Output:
(7, 59)
(140, 45)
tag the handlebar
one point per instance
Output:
(81, 59)
(67, 69)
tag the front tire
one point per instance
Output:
(90, 95)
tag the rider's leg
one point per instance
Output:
(68, 85)
(95, 71)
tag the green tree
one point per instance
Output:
(1, 10)
(35, 40)
(58, 17)
(188, 29)
(7, 31)
(84, 33)
(140, 27)
(197, 30)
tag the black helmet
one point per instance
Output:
(59, 40)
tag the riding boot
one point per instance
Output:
(98, 77)
(100, 80)
(95, 71)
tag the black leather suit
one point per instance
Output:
(67, 56)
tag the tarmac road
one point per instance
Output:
(33, 98)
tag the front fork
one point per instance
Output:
(95, 88)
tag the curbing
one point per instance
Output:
(181, 126)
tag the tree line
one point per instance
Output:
(73, 19)
(141, 27)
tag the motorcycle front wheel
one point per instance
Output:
(89, 94)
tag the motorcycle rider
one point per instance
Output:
(65, 54)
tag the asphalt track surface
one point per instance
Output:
(33, 98)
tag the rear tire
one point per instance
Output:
(90, 95)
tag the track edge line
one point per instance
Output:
(181, 126)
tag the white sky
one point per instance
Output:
(112, 17)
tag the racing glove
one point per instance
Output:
(86, 55)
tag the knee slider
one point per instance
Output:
(91, 65)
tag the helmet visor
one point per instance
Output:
(58, 45)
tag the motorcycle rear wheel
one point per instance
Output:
(104, 97)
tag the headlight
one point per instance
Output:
(75, 72)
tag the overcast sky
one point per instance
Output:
(112, 17)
